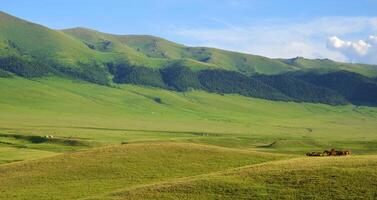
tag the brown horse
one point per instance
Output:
(332, 152)
(343, 153)
(314, 154)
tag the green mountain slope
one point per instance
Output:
(155, 47)
(27, 42)
(326, 65)
(80, 45)
(249, 64)
(30, 50)
(33, 39)
(112, 44)
(147, 51)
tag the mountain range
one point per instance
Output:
(30, 50)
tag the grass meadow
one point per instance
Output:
(120, 143)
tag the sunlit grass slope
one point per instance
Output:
(158, 48)
(97, 115)
(113, 45)
(303, 178)
(103, 170)
(147, 51)
(42, 42)
(19, 37)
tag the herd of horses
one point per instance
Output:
(332, 152)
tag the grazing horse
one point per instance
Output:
(343, 153)
(314, 154)
(327, 153)
(332, 152)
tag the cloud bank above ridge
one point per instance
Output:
(316, 38)
(364, 51)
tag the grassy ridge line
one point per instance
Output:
(113, 47)
(74, 48)
(326, 65)
(163, 184)
(56, 45)
(194, 57)
(295, 178)
(204, 58)
(178, 143)
(102, 170)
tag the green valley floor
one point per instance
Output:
(67, 139)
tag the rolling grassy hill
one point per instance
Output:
(319, 178)
(103, 170)
(120, 143)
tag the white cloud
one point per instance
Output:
(364, 51)
(284, 39)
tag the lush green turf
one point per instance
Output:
(92, 113)
(104, 170)
(309, 178)
(175, 145)
(13, 154)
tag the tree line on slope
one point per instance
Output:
(357, 89)
(23, 66)
(302, 91)
(181, 78)
(5, 74)
(335, 88)
(30, 67)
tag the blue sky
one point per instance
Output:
(343, 30)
